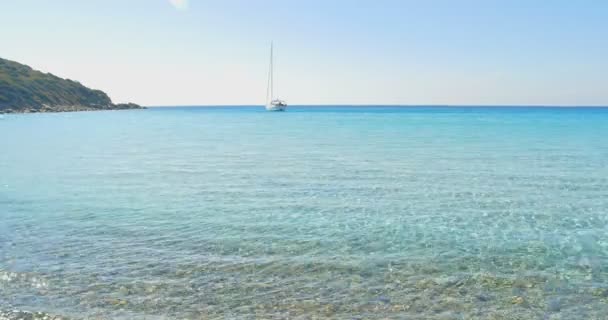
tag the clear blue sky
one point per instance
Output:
(162, 52)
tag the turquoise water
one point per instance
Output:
(342, 213)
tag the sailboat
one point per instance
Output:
(272, 103)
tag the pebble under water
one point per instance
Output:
(315, 213)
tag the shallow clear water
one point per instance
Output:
(417, 213)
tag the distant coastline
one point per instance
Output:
(25, 90)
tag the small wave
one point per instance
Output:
(23, 279)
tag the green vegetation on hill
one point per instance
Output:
(23, 89)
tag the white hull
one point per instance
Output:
(273, 107)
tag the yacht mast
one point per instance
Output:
(271, 73)
(270, 85)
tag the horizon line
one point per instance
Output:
(388, 105)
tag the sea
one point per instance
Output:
(336, 212)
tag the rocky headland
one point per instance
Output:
(25, 90)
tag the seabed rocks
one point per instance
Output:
(25, 315)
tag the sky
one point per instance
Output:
(432, 52)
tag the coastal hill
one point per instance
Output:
(23, 90)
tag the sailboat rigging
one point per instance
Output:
(272, 103)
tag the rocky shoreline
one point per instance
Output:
(48, 109)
